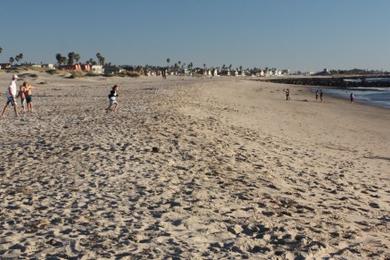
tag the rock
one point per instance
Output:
(155, 149)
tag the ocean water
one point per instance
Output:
(377, 97)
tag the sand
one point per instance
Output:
(192, 168)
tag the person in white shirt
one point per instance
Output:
(11, 96)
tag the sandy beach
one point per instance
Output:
(192, 168)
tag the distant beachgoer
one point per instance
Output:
(317, 92)
(287, 91)
(321, 95)
(22, 95)
(351, 97)
(113, 103)
(11, 96)
(29, 97)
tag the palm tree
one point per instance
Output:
(19, 57)
(168, 61)
(76, 57)
(71, 56)
(91, 61)
(1, 50)
(59, 58)
(11, 60)
(100, 58)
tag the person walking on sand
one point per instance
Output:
(112, 98)
(351, 97)
(11, 96)
(287, 92)
(317, 92)
(29, 97)
(321, 95)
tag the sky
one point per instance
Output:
(306, 35)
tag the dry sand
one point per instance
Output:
(192, 168)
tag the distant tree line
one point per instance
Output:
(73, 58)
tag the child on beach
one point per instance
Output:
(113, 103)
(22, 95)
(29, 97)
(351, 97)
(11, 96)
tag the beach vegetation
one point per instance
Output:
(61, 60)
(19, 57)
(100, 58)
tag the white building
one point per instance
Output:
(97, 69)
(49, 66)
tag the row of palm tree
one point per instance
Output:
(74, 57)
(179, 65)
(17, 58)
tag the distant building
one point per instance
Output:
(111, 70)
(324, 72)
(260, 73)
(97, 69)
(48, 66)
(285, 72)
(5, 65)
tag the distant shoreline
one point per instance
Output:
(353, 81)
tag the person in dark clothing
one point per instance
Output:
(287, 92)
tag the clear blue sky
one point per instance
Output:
(295, 34)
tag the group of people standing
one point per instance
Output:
(24, 93)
